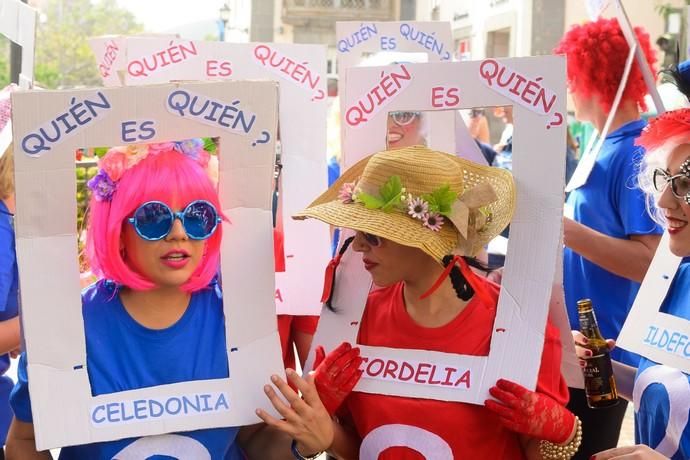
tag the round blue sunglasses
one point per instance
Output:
(154, 220)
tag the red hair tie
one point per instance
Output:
(329, 278)
(472, 279)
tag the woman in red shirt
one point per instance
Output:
(413, 209)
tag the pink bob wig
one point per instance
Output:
(596, 53)
(167, 176)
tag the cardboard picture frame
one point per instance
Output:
(300, 71)
(648, 331)
(46, 239)
(18, 23)
(432, 39)
(538, 169)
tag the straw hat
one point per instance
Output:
(403, 195)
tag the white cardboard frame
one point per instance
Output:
(433, 38)
(18, 23)
(49, 272)
(302, 91)
(644, 321)
(539, 170)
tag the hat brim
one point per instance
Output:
(400, 227)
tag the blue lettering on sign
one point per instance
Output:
(123, 412)
(95, 418)
(427, 41)
(137, 131)
(364, 33)
(208, 111)
(670, 341)
(388, 43)
(78, 115)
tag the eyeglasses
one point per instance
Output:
(372, 240)
(680, 183)
(154, 220)
(404, 118)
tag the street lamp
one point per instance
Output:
(224, 14)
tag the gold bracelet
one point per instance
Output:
(551, 451)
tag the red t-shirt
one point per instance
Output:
(287, 325)
(431, 427)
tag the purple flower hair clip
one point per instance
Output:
(102, 186)
(119, 159)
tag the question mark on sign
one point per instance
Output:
(320, 96)
(559, 121)
(265, 137)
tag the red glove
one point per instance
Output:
(530, 413)
(336, 374)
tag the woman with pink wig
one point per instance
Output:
(155, 317)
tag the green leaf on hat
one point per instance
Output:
(441, 200)
(370, 201)
(390, 192)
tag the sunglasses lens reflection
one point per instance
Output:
(373, 240)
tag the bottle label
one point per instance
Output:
(599, 382)
(587, 321)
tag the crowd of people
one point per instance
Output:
(155, 315)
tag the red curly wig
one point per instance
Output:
(596, 53)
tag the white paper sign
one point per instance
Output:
(53, 326)
(518, 335)
(661, 337)
(356, 40)
(18, 23)
(300, 70)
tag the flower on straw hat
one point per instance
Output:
(418, 197)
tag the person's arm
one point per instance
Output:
(261, 442)
(639, 452)
(625, 379)
(9, 335)
(530, 446)
(624, 374)
(307, 420)
(629, 258)
(21, 443)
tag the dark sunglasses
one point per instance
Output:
(404, 118)
(154, 220)
(680, 184)
(372, 240)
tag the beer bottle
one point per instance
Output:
(600, 386)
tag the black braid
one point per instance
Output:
(341, 251)
(460, 284)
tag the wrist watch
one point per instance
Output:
(299, 456)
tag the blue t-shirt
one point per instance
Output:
(124, 355)
(611, 203)
(662, 393)
(9, 307)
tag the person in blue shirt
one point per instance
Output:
(609, 237)
(9, 298)
(661, 393)
(155, 317)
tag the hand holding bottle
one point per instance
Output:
(530, 413)
(336, 375)
(581, 349)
